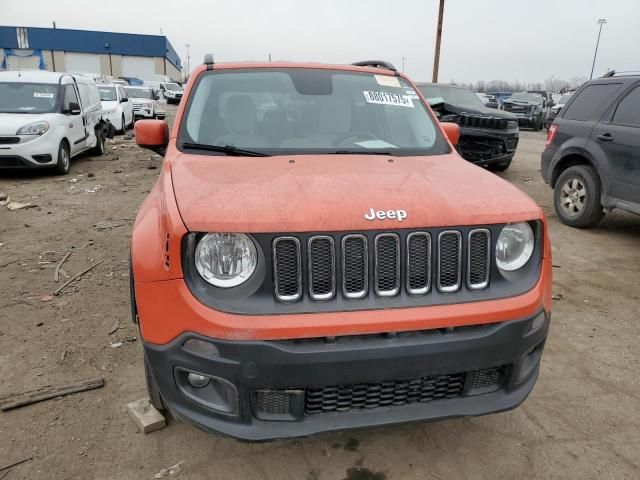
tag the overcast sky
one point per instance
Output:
(526, 40)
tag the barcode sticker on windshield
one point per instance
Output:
(42, 95)
(387, 81)
(386, 98)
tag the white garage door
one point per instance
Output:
(82, 62)
(143, 68)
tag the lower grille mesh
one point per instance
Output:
(372, 395)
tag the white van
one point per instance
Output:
(116, 106)
(46, 118)
(171, 90)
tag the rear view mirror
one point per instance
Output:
(152, 134)
(124, 100)
(452, 131)
(74, 109)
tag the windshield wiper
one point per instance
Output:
(359, 152)
(227, 149)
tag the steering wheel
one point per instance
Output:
(355, 135)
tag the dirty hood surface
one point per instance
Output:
(334, 192)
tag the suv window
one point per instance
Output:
(589, 101)
(69, 97)
(628, 111)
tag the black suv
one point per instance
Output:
(488, 137)
(592, 154)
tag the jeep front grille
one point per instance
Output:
(287, 269)
(346, 265)
(479, 246)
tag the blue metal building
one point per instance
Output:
(102, 53)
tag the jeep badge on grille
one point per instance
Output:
(399, 215)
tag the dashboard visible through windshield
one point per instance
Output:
(298, 111)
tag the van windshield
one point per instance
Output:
(299, 110)
(174, 87)
(138, 93)
(108, 94)
(28, 97)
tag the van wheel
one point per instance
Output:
(152, 387)
(64, 159)
(576, 197)
(99, 149)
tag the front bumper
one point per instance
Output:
(293, 388)
(487, 146)
(41, 152)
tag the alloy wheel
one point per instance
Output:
(573, 196)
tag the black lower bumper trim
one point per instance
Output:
(314, 385)
(16, 162)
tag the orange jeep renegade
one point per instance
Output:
(315, 256)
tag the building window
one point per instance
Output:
(23, 37)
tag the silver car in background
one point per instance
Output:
(147, 102)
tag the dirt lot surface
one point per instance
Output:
(581, 421)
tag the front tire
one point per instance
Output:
(576, 197)
(155, 397)
(99, 149)
(123, 124)
(64, 159)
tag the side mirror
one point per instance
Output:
(152, 134)
(74, 109)
(124, 100)
(452, 131)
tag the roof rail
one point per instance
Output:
(376, 64)
(208, 59)
(621, 73)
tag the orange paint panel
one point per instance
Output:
(168, 309)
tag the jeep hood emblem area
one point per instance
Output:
(398, 215)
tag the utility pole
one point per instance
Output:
(601, 21)
(403, 60)
(436, 57)
(187, 45)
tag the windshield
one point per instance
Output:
(174, 87)
(451, 95)
(138, 93)
(107, 94)
(526, 97)
(27, 97)
(564, 99)
(309, 110)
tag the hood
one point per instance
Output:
(521, 102)
(334, 192)
(474, 109)
(142, 101)
(11, 122)
(109, 105)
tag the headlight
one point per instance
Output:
(226, 259)
(36, 128)
(514, 247)
(512, 124)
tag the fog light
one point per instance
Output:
(197, 381)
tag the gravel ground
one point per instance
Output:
(581, 420)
